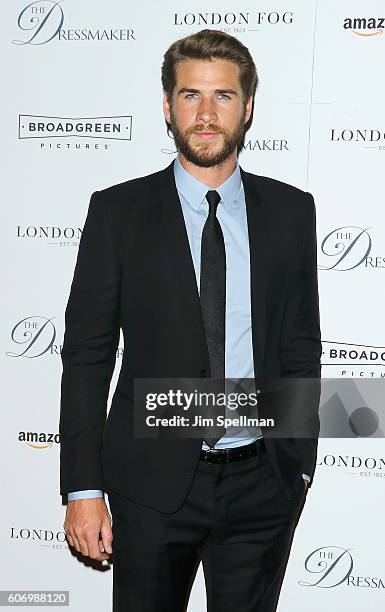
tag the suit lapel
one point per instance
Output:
(258, 229)
(177, 244)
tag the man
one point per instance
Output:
(210, 271)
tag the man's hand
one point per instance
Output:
(306, 483)
(88, 527)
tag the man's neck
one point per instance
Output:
(213, 176)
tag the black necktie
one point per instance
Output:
(213, 300)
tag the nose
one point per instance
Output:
(207, 111)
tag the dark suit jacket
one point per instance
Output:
(134, 270)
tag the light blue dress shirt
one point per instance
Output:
(231, 214)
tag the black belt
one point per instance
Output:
(227, 455)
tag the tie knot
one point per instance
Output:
(213, 199)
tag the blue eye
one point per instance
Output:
(221, 96)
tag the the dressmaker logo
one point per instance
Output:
(366, 27)
(348, 247)
(233, 21)
(266, 145)
(42, 21)
(263, 145)
(33, 337)
(38, 439)
(52, 235)
(334, 566)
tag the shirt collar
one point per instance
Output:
(194, 191)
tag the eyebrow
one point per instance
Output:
(217, 91)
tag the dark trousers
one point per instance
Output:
(236, 519)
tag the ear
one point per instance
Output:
(249, 108)
(166, 107)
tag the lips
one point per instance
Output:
(206, 135)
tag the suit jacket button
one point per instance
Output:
(202, 374)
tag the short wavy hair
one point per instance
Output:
(209, 45)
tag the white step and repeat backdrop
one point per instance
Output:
(71, 67)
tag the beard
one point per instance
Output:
(207, 154)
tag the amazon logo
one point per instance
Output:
(38, 440)
(365, 26)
